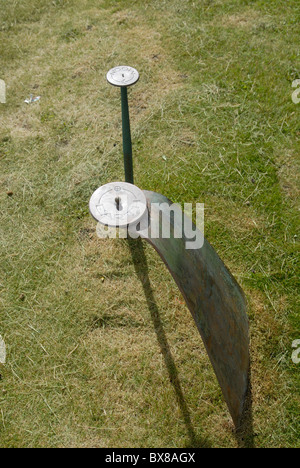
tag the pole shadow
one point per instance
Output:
(141, 269)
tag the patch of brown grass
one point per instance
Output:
(246, 20)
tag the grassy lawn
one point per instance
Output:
(94, 358)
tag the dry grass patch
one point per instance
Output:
(247, 20)
(288, 173)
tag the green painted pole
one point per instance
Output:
(127, 146)
(122, 77)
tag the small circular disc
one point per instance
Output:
(122, 76)
(118, 204)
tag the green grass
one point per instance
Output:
(91, 360)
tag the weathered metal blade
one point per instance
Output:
(216, 302)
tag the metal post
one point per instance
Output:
(123, 77)
(127, 147)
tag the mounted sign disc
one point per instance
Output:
(118, 204)
(122, 76)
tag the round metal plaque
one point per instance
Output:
(118, 204)
(122, 76)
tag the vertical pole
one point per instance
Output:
(127, 147)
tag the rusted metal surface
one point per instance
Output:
(217, 305)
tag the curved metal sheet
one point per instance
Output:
(216, 303)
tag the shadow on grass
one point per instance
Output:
(141, 268)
